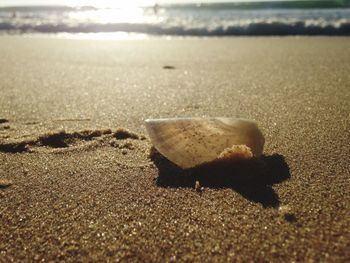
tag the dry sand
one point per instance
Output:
(89, 194)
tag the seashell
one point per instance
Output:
(190, 142)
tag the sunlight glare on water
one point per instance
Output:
(112, 3)
(127, 14)
(109, 12)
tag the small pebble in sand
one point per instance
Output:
(3, 120)
(124, 151)
(168, 67)
(198, 187)
(286, 212)
(5, 183)
(284, 209)
(290, 218)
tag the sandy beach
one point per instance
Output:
(77, 182)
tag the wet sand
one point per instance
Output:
(76, 186)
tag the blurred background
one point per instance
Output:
(145, 18)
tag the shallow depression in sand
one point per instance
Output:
(131, 149)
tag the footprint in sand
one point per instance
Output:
(65, 140)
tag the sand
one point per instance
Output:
(73, 190)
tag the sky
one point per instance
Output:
(103, 2)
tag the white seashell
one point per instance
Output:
(189, 142)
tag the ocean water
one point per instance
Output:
(179, 20)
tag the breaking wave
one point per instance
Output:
(253, 28)
(177, 21)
